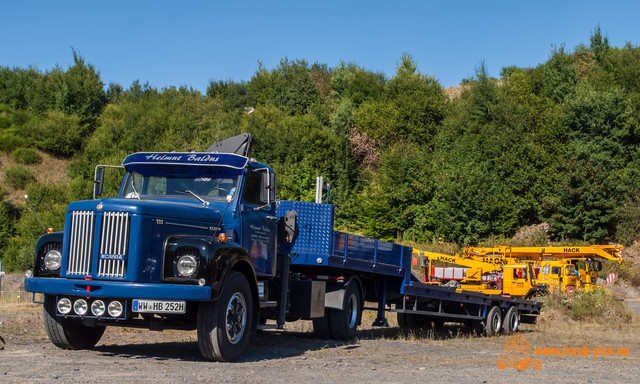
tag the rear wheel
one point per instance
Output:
(511, 321)
(68, 333)
(344, 322)
(224, 326)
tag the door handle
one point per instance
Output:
(269, 217)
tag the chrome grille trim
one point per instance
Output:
(81, 243)
(113, 244)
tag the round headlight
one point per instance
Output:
(64, 306)
(187, 265)
(80, 307)
(98, 308)
(115, 309)
(52, 260)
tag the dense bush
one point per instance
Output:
(9, 142)
(26, 156)
(598, 305)
(18, 177)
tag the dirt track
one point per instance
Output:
(293, 356)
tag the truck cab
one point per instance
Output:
(558, 275)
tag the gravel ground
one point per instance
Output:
(293, 356)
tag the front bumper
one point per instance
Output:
(119, 289)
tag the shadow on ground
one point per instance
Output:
(279, 344)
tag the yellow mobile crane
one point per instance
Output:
(560, 268)
(509, 278)
(520, 271)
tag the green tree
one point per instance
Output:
(419, 100)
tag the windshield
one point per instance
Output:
(158, 181)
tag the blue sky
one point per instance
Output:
(174, 43)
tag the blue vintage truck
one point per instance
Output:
(199, 241)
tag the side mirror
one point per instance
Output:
(98, 182)
(268, 194)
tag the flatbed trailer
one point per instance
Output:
(383, 273)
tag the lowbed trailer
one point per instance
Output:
(199, 241)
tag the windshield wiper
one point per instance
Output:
(133, 186)
(194, 195)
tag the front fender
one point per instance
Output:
(44, 244)
(217, 261)
(228, 257)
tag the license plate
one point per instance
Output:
(159, 306)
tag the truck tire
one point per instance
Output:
(224, 326)
(344, 322)
(66, 332)
(511, 321)
(493, 323)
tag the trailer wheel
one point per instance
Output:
(493, 323)
(344, 322)
(511, 321)
(224, 326)
(68, 333)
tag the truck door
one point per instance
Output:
(259, 222)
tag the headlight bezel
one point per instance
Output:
(45, 245)
(54, 256)
(98, 308)
(115, 309)
(80, 307)
(187, 265)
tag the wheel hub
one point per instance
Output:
(236, 319)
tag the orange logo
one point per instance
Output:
(517, 354)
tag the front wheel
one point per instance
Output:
(224, 326)
(66, 332)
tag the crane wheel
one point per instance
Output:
(511, 321)
(493, 322)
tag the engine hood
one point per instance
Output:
(166, 208)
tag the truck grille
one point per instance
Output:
(81, 243)
(113, 242)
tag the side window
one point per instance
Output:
(545, 270)
(253, 189)
(555, 270)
